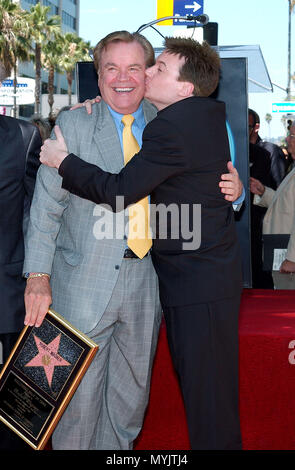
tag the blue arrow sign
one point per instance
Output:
(187, 7)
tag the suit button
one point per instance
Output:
(117, 266)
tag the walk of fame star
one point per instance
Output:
(48, 357)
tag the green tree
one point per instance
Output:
(268, 118)
(8, 15)
(284, 121)
(42, 29)
(14, 39)
(51, 59)
(75, 50)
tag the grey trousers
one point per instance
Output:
(107, 409)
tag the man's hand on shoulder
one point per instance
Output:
(53, 152)
(87, 104)
(230, 184)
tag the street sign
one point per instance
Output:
(284, 107)
(24, 91)
(178, 8)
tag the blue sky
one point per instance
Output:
(250, 22)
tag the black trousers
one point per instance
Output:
(203, 342)
(8, 439)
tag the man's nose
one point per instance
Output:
(123, 75)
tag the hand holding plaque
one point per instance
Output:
(40, 377)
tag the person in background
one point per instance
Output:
(43, 126)
(277, 157)
(280, 216)
(19, 162)
(260, 165)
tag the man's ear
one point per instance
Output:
(186, 89)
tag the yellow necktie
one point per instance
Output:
(139, 237)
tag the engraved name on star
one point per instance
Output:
(48, 357)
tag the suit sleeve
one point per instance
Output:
(160, 158)
(31, 168)
(48, 205)
(265, 199)
(290, 255)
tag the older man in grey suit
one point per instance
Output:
(97, 282)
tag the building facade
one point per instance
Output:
(69, 11)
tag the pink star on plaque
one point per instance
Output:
(48, 357)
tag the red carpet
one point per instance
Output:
(165, 425)
(267, 380)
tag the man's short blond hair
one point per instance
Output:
(124, 36)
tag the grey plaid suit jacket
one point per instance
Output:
(61, 236)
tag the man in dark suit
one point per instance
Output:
(278, 162)
(184, 152)
(260, 164)
(19, 162)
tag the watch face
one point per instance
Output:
(26, 275)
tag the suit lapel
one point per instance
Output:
(149, 111)
(4, 130)
(107, 141)
(108, 153)
(11, 143)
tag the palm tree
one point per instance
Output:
(75, 50)
(268, 118)
(14, 39)
(51, 59)
(42, 29)
(9, 13)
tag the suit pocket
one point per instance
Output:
(72, 258)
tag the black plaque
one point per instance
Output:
(40, 377)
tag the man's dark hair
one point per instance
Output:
(201, 67)
(124, 36)
(254, 115)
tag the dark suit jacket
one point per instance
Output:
(19, 162)
(278, 168)
(184, 152)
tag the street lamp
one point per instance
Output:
(200, 20)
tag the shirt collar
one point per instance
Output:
(138, 116)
